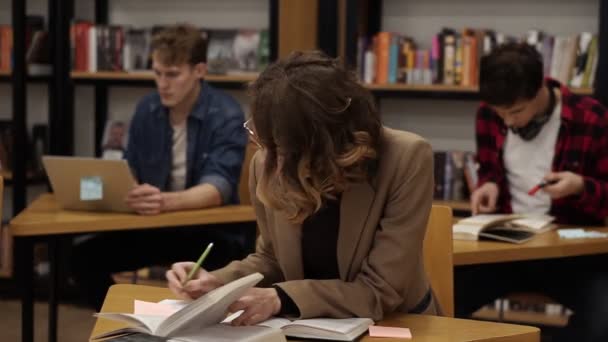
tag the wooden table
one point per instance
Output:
(424, 328)
(45, 220)
(544, 246)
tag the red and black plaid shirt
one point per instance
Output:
(581, 147)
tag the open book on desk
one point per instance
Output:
(512, 228)
(337, 329)
(198, 320)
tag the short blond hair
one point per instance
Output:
(179, 44)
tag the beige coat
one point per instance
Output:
(382, 226)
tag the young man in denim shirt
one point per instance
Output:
(186, 149)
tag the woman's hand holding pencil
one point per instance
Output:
(188, 280)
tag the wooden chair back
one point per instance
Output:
(437, 253)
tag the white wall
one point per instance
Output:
(449, 124)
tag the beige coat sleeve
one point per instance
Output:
(393, 263)
(263, 260)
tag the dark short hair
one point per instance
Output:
(181, 43)
(511, 72)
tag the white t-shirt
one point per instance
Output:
(178, 167)
(527, 162)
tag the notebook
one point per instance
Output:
(198, 320)
(502, 227)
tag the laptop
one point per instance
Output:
(89, 184)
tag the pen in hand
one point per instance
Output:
(198, 264)
(540, 185)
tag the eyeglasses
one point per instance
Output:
(252, 135)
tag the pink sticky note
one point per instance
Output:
(154, 309)
(380, 331)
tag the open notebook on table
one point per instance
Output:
(198, 320)
(512, 228)
(337, 329)
(204, 319)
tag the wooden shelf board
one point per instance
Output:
(149, 76)
(525, 317)
(421, 87)
(446, 88)
(7, 175)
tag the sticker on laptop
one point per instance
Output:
(91, 188)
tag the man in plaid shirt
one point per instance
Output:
(533, 131)
(520, 144)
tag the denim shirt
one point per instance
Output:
(215, 148)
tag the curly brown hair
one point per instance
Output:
(319, 128)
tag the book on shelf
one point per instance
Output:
(36, 47)
(453, 56)
(114, 140)
(455, 174)
(514, 228)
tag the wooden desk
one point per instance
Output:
(44, 217)
(44, 220)
(424, 328)
(544, 246)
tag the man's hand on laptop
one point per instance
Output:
(145, 199)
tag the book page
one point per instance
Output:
(226, 333)
(487, 219)
(275, 322)
(208, 309)
(178, 304)
(466, 229)
(149, 323)
(534, 223)
(141, 307)
(341, 325)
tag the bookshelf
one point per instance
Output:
(5, 76)
(445, 114)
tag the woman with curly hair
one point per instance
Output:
(341, 202)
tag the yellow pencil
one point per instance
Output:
(198, 263)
